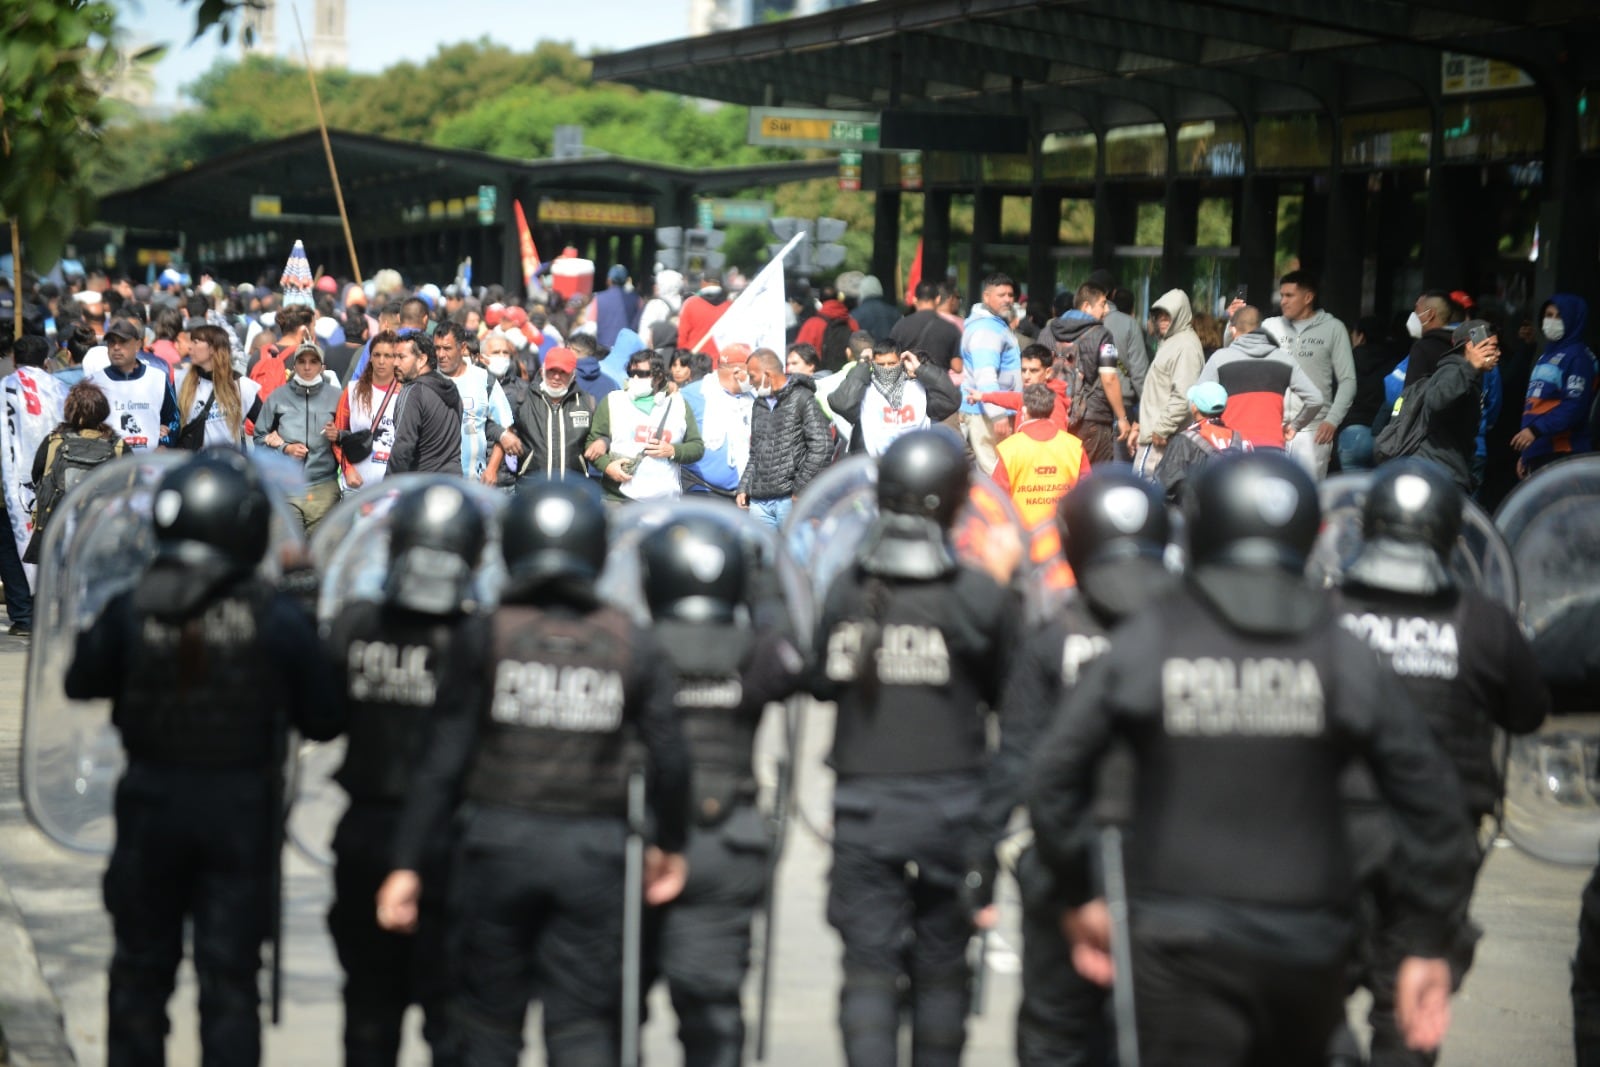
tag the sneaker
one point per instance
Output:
(20, 629)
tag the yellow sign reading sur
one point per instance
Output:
(596, 213)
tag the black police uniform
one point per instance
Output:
(1116, 554)
(909, 753)
(207, 668)
(726, 675)
(396, 668)
(1463, 660)
(537, 748)
(1242, 699)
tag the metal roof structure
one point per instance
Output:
(1074, 65)
(380, 175)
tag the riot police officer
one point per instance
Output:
(397, 661)
(207, 667)
(537, 747)
(1243, 698)
(913, 647)
(1114, 531)
(696, 584)
(1462, 659)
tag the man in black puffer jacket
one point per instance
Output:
(790, 439)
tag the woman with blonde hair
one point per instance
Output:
(214, 403)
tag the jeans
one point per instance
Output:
(773, 512)
(19, 595)
(1355, 448)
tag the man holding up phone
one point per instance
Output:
(1454, 400)
(894, 394)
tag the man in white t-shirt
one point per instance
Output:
(482, 400)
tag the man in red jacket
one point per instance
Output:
(700, 313)
(1038, 363)
(813, 331)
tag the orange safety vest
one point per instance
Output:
(1040, 472)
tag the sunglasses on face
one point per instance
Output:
(640, 372)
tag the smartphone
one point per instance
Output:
(1478, 334)
(1242, 294)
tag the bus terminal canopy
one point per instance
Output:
(1072, 65)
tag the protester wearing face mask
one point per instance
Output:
(791, 440)
(892, 395)
(299, 420)
(721, 403)
(1561, 389)
(648, 434)
(552, 421)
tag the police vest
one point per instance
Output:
(1041, 473)
(1421, 639)
(1238, 788)
(925, 646)
(135, 406)
(203, 692)
(554, 739)
(391, 675)
(880, 422)
(718, 723)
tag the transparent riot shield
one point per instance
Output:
(97, 544)
(776, 583)
(831, 518)
(1552, 523)
(1481, 560)
(350, 549)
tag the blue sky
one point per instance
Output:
(383, 31)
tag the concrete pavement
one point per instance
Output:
(1513, 1011)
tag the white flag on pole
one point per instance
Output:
(758, 316)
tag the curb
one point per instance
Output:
(32, 1030)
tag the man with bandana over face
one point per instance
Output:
(894, 394)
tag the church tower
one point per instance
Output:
(262, 24)
(329, 46)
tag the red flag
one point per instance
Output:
(914, 279)
(530, 254)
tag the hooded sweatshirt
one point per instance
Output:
(427, 427)
(1164, 404)
(298, 413)
(1561, 388)
(593, 379)
(1258, 375)
(663, 307)
(812, 329)
(1321, 346)
(1094, 353)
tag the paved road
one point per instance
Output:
(1513, 1011)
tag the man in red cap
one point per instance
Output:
(553, 422)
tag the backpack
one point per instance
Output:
(271, 369)
(835, 350)
(1407, 428)
(75, 456)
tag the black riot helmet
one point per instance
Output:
(923, 480)
(435, 541)
(694, 570)
(1257, 509)
(1114, 530)
(554, 530)
(1409, 525)
(212, 510)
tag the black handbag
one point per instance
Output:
(192, 437)
(357, 444)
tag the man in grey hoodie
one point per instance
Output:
(1164, 404)
(298, 420)
(1320, 345)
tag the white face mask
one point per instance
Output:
(549, 390)
(1414, 326)
(762, 391)
(314, 380)
(1554, 329)
(498, 365)
(639, 387)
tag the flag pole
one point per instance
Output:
(327, 146)
(16, 269)
(780, 257)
